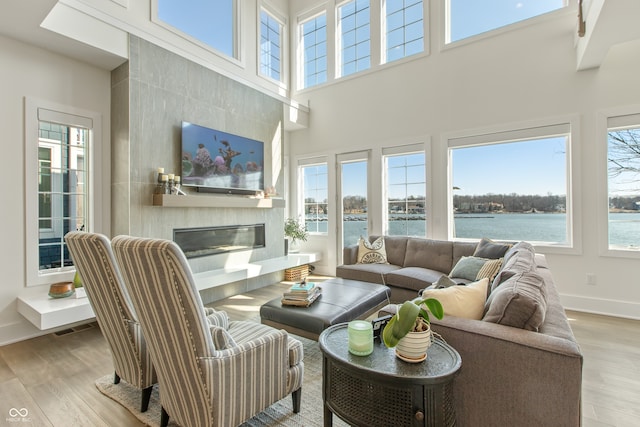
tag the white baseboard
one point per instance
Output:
(607, 307)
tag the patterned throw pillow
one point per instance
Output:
(217, 317)
(371, 253)
(474, 268)
(222, 340)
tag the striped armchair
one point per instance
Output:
(208, 375)
(94, 261)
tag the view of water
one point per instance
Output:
(624, 228)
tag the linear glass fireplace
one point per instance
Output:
(205, 241)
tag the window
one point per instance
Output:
(403, 28)
(467, 18)
(316, 196)
(352, 180)
(512, 185)
(59, 142)
(210, 22)
(623, 170)
(405, 194)
(270, 46)
(314, 47)
(355, 38)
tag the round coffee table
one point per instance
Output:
(382, 390)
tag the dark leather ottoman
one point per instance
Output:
(341, 300)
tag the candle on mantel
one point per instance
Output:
(360, 337)
(171, 176)
(165, 177)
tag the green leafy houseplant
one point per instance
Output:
(295, 230)
(411, 316)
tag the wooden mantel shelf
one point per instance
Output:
(215, 201)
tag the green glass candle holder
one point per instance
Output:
(360, 337)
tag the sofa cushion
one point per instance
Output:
(520, 301)
(474, 268)
(465, 301)
(516, 261)
(414, 278)
(487, 248)
(373, 273)
(432, 254)
(372, 253)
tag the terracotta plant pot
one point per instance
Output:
(413, 347)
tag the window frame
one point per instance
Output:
(400, 151)
(445, 37)
(339, 43)
(37, 110)
(383, 35)
(301, 164)
(534, 129)
(621, 116)
(284, 43)
(238, 51)
(300, 58)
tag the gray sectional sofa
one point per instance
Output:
(521, 364)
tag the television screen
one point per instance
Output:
(220, 161)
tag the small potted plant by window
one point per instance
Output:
(409, 330)
(294, 230)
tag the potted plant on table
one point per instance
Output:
(409, 330)
(294, 230)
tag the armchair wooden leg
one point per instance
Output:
(296, 396)
(116, 378)
(146, 396)
(164, 418)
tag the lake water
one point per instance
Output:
(624, 228)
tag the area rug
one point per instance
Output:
(278, 414)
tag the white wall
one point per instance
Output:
(29, 71)
(521, 75)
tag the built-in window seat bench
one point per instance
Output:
(45, 312)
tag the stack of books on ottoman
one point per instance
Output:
(301, 294)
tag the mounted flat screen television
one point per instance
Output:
(216, 161)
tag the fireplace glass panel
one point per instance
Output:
(205, 241)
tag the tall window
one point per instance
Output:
(623, 167)
(270, 46)
(405, 194)
(403, 28)
(512, 189)
(210, 22)
(355, 37)
(62, 198)
(314, 47)
(316, 196)
(467, 18)
(353, 191)
(60, 185)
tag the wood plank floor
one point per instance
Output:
(52, 377)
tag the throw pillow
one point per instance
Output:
(222, 340)
(520, 302)
(444, 282)
(217, 317)
(487, 248)
(474, 268)
(372, 253)
(461, 301)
